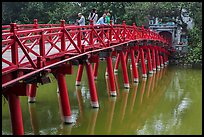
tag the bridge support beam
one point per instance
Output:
(111, 76)
(92, 87)
(15, 114)
(153, 60)
(158, 62)
(64, 98)
(117, 63)
(149, 61)
(32, 93)
(124, 70)
(134, 67)
(144, 71)
(79, 75)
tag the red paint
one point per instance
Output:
(111, 76)
(79, 75)
(162, 63)
(158, 60)
(117, 63)
(15, 114)
(124, 70)
(64, 98)
(32, 92)
(153, 59)
(144, 71)
(96, 69)
(92, 86)
(149, 61)
(134, 68)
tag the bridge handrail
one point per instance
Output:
(40, 42)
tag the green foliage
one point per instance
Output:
(195, 44)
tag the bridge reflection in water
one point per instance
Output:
(124, 114)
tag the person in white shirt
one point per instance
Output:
(102, 20)
(81, 21)
(93, 16)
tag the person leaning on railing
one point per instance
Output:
(102, 20)
(81, 23)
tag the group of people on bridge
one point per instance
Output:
(104, 19)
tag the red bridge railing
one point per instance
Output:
(31, 46)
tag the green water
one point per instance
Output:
(169, 102)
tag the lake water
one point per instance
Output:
(167, 103)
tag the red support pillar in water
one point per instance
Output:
(92, 87)
(157, 57)
(117, 63)
(153, 60)
(79, 75)
(111, 76)
(144, 71)
(138, 57)
(165, 60)
(149, 61)
(161, 59)
(15, 114)
(32, 93)
(134, 68)
(64, 98)
(96, 69)
(126, 56)
(124, 70)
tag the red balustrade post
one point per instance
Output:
(14, 46)
(144, 71)
(134, 26)
(111, 76)
(134, 67)
(63, 35)
(32, 93)
(110, 30)
(15, 114)
(42, 44)
(91, 33)
(64, 98)
(35, 26)
(92, 87)
(153, 60)
(124, 31)
(117, 64)
(149, 61)
(102, 32)
(124, 70)
(79, 75)
(79, 39)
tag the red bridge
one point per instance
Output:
(31, 51)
